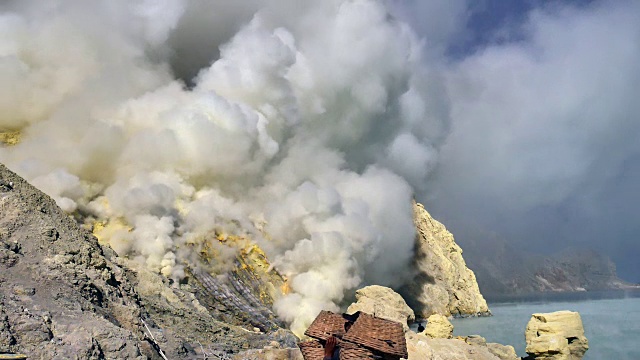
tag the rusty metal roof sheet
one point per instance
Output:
(326, 325)
(378, 334)
(311, 350)
(350, 351)
(368, 338)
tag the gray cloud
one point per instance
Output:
(544, 142)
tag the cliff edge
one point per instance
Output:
(443, 283)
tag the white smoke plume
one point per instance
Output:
(309, 119)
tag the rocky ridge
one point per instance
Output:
(502, 270)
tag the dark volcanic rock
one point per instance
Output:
(64, 296)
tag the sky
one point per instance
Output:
(306, 127)
(544, 123)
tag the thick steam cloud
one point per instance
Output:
(306, 130)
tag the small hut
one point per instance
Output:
(367, 338)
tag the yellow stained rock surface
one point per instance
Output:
(10, 138)
(251, 261)
(104, 231)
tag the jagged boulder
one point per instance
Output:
(503, 352)
(438, 327)
(384, 303)
(556, 336)
(475, 340)
(444, 285)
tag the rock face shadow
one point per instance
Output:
(442, 283)
(411, 290)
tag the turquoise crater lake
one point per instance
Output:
(611, 321)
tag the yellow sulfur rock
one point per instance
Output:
(10, 138)
(254, 261)
(104, 231)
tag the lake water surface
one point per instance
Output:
(611, 321)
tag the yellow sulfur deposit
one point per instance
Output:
(111, 233)
(285, 288)
(252, 264)
(255, 261)
(10, 138)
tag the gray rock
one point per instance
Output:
(384, 303)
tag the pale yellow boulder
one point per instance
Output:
(438, 327)
(556, 336)
(384, 303)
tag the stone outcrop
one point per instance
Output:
(556, 336)
(475, 340)
(384, 303)
(64, 296)
(444, 285)
(438, 327)
(422, 347)
(503, 352)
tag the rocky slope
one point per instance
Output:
(64, 296)
(443, 283)
(503, 270)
